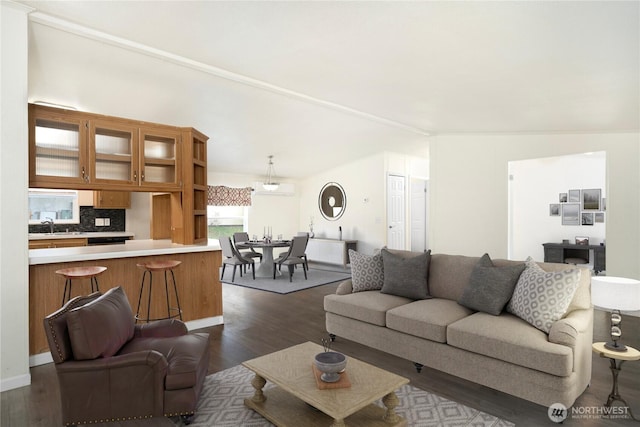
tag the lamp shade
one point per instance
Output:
(615, 293)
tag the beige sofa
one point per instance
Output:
(503, 352)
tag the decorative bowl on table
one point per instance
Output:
(330, 363)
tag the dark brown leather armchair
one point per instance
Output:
(110, 369)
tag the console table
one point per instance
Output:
(559, 252)
(330, 251)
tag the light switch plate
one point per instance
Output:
(107, 222)
(99, 222)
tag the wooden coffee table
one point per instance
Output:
(297, 401)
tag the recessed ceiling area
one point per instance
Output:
(315, 83)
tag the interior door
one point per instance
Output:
(396, 212)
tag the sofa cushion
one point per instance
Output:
(449, 275)
(184, 355)
(541, 297)
(511, 339)
(426, 318)
(101, 327)
(367, 272)
(490, 288)
(406, 276)
(367, 306)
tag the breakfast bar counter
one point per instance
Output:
(197, 279)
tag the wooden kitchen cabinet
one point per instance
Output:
(194, 196)
(85, 151)
(57, 243)
(58, 153)
(106, 199)
(77, 150)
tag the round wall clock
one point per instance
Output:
(332, 201)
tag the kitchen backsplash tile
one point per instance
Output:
(88, 215)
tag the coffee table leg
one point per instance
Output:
(258, 382)
(390, 402)
(338, 423)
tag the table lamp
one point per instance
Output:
(616, 294)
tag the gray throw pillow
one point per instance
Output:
(367, 273)
(490, 288)
(406, 276)
(540, 297)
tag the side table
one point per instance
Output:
(616, 358)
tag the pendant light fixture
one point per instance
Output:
(269, 184)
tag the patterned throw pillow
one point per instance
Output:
(367, 273)
(542, 297)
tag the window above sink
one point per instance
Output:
(59, 206)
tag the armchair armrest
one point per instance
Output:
(160, 329)
(566, 330)
(129, 385)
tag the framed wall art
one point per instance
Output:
(591, 199)
(332, 201)
(587, 218)
(554, 209)
(599, 217)
(574, 196)
(562, 197)
(571, 214)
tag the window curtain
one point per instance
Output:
(219, 195)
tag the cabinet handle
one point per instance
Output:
(135, 175)
(85, 177)
(142, 176)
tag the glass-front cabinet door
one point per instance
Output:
(114, 152)
(159, 163)
(58, 152)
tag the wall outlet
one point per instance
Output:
(107, 222)
(99, 222)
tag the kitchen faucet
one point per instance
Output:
(50, 222)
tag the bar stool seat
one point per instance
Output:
(159, 266)
(79, 273)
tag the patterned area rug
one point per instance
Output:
(281, 284)
(222, 405)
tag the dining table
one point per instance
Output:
(266, 267)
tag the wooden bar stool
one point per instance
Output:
(79, 273)
(166, 267)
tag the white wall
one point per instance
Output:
(469, 192)
(534, 185)
(364, 182)
(14, 212)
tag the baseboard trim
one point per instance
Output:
(40, 359)
(15, 382)
(204, 323)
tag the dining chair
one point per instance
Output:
(233, 257)
(241, 237)
(293, 257)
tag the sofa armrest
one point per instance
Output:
(566, 330)
(345, 287)
(160, 329)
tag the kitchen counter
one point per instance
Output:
(132, 248)
(197, 280)
(79, 234)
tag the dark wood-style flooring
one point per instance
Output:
(258, 322)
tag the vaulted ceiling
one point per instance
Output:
(321, 83)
